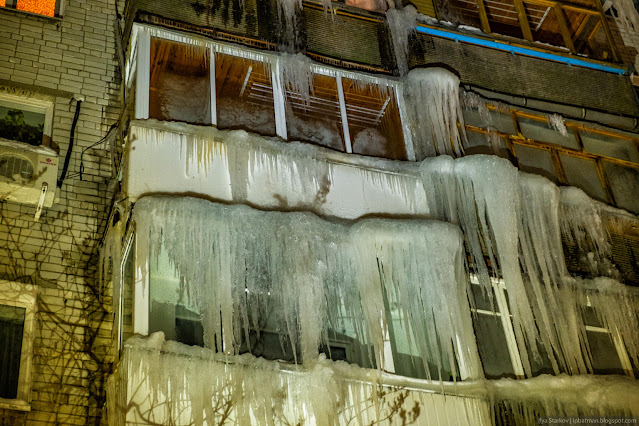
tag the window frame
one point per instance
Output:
(58, 13)
(22, 296)
(32, 104)
(499, 289)
(138, 69)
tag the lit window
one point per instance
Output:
(17, 323)
(52, 8)
(24, 119)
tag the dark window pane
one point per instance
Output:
(605, 359)
(244, 95)
(21, 125)
(493, 347)
(610, 146)
(537, 161)
(624, 183)
(11, 328)
(582, 173)
(179, 87)
(126, 319)
(543, 132)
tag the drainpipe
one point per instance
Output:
(67, 158)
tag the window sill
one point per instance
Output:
(14, 404)
(53, 19)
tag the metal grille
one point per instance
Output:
(15, 167)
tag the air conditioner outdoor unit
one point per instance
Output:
(27, 173)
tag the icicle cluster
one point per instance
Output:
(401, 23)
(626, 13)
(513, 219)
(434, 109)
(167, 383)
(582, 225)
(239, 266)
(302, 173)
(297, 75)
(523, 402)
(287, 12)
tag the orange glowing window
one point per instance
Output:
(41, 7)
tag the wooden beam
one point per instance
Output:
(523, 20)
(606, 27)
(603, 180)
(563, 26)
(483, 16)
(564, 5)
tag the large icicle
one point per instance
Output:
(582, 225)
(240, 266)
(297, 75)
(433, 106)
(401, 23)
(513, 219)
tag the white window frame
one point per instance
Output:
(504, 314)
(139, 65)
(118, 293)
(31, 104)
(22, 296)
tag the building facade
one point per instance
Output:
(320, 212)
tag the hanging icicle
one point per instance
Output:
(434, 111)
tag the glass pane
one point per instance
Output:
(21, 125)
(128, 277)
(169, 311)
(493, 347)
(179, 88)
(604, 354)
(482, 300)
(609, 146)
(488, 118)
(11, 328)
(406, 355)
(537, 161)
(373, 120)
(244, 94)
(41, 7)
(582, 173)
(485, 143)
(624, 183)
(541, 365)
(542, 131)
(317, 121)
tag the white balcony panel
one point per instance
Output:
(235, 166)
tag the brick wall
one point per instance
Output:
(63, 58)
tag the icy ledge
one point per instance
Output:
(161, 382)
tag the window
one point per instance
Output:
(214, 84)
(244, 95)
(24, 119)
(52, 8)
(180, 82)
(17, 323)
(125, 310)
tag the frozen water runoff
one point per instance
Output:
(237, 265)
